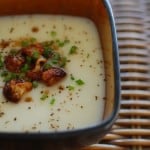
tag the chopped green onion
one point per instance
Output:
(56, 56)
(54, 61)
(57, 41)
(70, 87)
(35, 55)
(1, 62)
(4, 73)
(25, 68)
(9, 76)
(32, 40)
(63, 62)
(13, 52)
(73, 50)
(88, 55)
(80, 82)
(62, 43)
(21, 75)
(53, 33)
(47, 65)
(25, 43)
(47, 52)
(72, 77)
(35, 84)
(29, 60)
(28, 42)
(52, 101)
(44, 96)
(66, 41)
(47, 44)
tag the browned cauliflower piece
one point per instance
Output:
(53, 75)
(13, 63)
(36, 72)
(15, 89)
(34, 75)
(30, 50)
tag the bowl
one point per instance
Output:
(100, 12)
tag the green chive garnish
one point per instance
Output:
(25, 68)
(35, 84)
(73, 50)
(80, 82)
(35, 55)
(70, 87)
(53, 33)
(44, 96)
(52, 101)
(1, 62)
(72, 77)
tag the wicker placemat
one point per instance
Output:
(132, 128)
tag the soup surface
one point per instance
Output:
(76, 101)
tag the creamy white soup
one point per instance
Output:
(76, 101)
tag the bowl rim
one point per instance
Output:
(107, 123)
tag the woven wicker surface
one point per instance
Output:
(132, 128)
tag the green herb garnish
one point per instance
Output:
(21, 75)
(73, 50)
(63, 62)
(1, 62)
(53, 33)
(35, 55)
(66, 41)
(47, 44)
(88, 55)
(72, 77)
(32, 40)
(80, 82)
(25, 68)
(62, 43)
(35, 84)
(9, 76)
(28, 42)
(25, 43)
(44, 96)
(52, 101)
(47, 52)
(56, 58)
(59, 43)
(13, 52)
(70, 87)
(4, 73)
(28, 60)
(47, 65)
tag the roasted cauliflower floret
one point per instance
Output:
(39, 63)
(15, 89)
(53, 75)
(33, 62)
(36, 72)
(35, 49)
(13, 63)
(34, 75)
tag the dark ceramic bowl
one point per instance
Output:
(101, 13)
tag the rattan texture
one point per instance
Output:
(132, 128)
